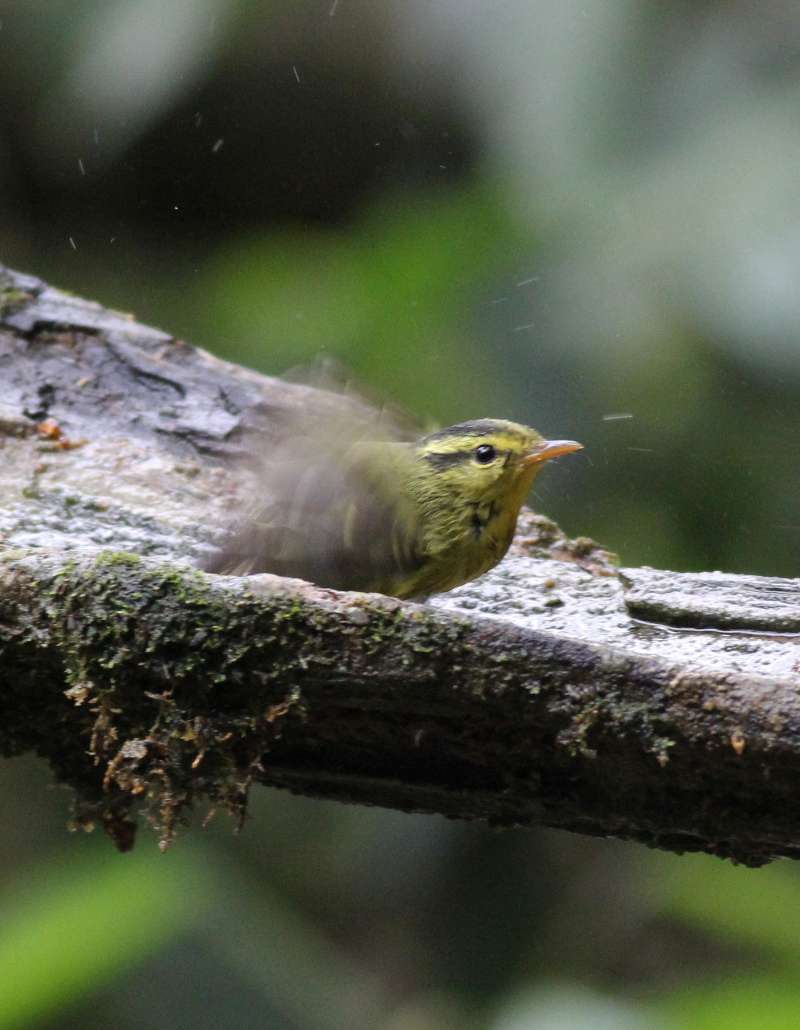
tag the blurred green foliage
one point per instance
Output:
(385, 297)
(70, 926)
(755, 916)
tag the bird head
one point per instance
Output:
(487, 459)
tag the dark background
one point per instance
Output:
(582, 215)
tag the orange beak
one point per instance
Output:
(547, 449)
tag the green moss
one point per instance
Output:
(11, 299)
(191, 698)
(177, 686)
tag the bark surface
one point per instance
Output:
(651, 705)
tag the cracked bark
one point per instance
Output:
(651, 705)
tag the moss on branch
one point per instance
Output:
(650, 705)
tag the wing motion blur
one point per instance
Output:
(328, 505)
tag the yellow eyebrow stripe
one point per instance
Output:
(458, 444)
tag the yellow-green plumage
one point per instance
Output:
(404, 519)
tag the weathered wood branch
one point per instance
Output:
(649, 705)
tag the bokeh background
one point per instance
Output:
(583, 214)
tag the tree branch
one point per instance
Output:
(657, 706)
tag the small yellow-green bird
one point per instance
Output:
(344, 509)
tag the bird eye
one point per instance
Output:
(485, 453)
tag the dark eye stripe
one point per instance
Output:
(447, 459)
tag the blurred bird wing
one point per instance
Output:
(367, 413)
(329, 504)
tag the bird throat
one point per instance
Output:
(496, 517)
(483, 512)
